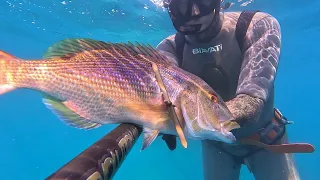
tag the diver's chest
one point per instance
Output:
(222, 52)
(218, 63)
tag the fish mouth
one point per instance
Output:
(228, 136)
(229, 125)
(223, 136)
(222, 133)
(225, 129)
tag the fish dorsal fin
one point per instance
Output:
(70, 47)
(68, 116)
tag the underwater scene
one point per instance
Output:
(39, 136)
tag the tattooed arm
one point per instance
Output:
(260, 61)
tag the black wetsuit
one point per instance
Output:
(245, 80)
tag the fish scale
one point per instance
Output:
(88, 83)
(115, 90)
(125, 71)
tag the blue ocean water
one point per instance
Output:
(34, 143)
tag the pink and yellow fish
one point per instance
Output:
(88, 83)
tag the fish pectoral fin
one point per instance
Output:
(149, 135)
(68, 116)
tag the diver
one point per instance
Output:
(237, 54)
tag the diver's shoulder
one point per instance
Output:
(258, 15)
(232, 15)
(230, 20)
(259, 18)
(167, 42)
(169, 38)
(264, 17)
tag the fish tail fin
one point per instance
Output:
(6, 81)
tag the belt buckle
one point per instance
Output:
(280, 118)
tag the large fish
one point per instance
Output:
(88, 83)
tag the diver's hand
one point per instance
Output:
(245, 109)
(170, 141)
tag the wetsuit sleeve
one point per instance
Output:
(167, 47)
(259, 67)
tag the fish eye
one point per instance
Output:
(213, 97)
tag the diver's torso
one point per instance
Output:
(217, 62)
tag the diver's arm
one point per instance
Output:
(167, 47)
(259, 67)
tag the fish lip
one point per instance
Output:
(227, 134)
(221, 135)
(230, 137)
